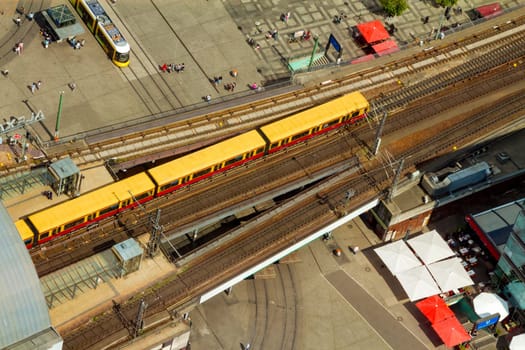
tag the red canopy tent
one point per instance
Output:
(451, 332)
(386, 47)
(373, 31)
(434, 309)
(490, 10)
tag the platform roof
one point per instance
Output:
(23, 309)
(373, 31)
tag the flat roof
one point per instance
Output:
(23, 309)
(497, 223)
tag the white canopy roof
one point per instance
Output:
(486, 304)
(418, 283)
(397, 257)
(450, 274)
(430, 247)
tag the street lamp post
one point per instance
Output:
(59, 113)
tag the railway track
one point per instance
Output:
(173, 132)
(295, 220)
(187, 211)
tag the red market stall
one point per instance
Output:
(373, 32)
(490, 10)
(385, 48)
(451, 332)
(435, 309)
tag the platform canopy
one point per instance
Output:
(430, 247)
(397, 257)
(418, 283)
(373, 31)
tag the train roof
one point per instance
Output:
(207, 157)
(90, 202)
(24, 230)
(105, 22)
(23, 309)
(315, 116)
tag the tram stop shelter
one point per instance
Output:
(376, 36)
(23, 310)
(59, 22)
(66, 177)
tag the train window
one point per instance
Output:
(260, 150)
(141, 196)
(355, 114)
(73, 223)
(333, 122)
(202, 172)
(43, 235)
(298, 136)
(233, 160)
(28, 241)
(108, 209)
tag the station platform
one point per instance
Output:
(92, 299)
(32, 199)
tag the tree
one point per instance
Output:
(396, 7)
(446, 3)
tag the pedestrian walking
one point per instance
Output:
(72, 86)
(21, 46)
(17, 50)
(33, 88)
(207, 98)
(38, 84)
(5, 72)
(18, 21)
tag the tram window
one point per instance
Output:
(122, 56)
(102, 40)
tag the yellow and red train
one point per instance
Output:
(114, 198)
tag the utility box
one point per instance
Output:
(129, 254)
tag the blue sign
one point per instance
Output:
(486, 322)
(334, 43)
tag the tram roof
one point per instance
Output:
(23, 309)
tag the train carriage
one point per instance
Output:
(347, 109)
(203, 163)
(104, 30)
(25, 233)
(95, 205)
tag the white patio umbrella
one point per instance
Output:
(430, 247)
(397, 257)
(517, 342)
(418, 283)
(486, 304)
(450, 274)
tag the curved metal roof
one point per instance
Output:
(23, 309)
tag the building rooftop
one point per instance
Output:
(23, 310)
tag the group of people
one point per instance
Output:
(230, 86)
(168, 68)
